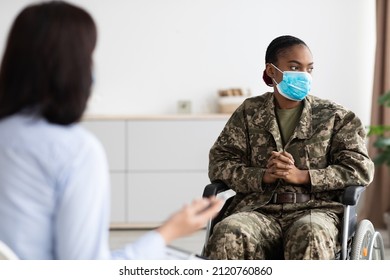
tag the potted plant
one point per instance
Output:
(382, 143)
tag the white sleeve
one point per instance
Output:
(150, 246)
(81, 227)
(81, 222)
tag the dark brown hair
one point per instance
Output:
(47, 62)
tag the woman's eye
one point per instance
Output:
(294, 68)
(310, 70)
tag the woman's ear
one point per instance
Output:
(268, 75)
(270, 70)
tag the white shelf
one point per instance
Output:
(161, 117)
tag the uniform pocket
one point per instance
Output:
(318, 153)
(261, 145)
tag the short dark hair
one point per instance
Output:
(277, 46)
(47, 62)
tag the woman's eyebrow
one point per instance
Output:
(297, 62)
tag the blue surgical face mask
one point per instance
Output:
(295, 85)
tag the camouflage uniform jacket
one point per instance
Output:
(329, 141)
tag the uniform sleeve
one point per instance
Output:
(349, 160)
(229, 158)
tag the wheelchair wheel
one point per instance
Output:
(367, 244)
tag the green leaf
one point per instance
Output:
(378, 129)
(375, 130)
(385, 99)
(382, 159)
(382, 142)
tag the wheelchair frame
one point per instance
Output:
(359, 240)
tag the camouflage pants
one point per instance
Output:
(309, 234)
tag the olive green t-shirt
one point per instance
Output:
(288, 120)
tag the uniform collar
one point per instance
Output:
(266, 118)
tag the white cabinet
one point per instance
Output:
(154, 196)
(118, 197)
(171, 145)
(157, 164)
(112, 134)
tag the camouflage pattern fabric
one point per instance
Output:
(329, 142)
(276, 233)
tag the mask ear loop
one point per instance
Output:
(278, 70)
(269, 81)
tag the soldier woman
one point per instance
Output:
(288, 155)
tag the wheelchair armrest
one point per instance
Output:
(215, 188)
(351, 195)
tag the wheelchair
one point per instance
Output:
(359, 240)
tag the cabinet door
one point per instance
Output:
(153, 197)
(118, 198)
(112, 134)
(168, 145)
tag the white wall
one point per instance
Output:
(152, 53)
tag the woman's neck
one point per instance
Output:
(284, 103)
